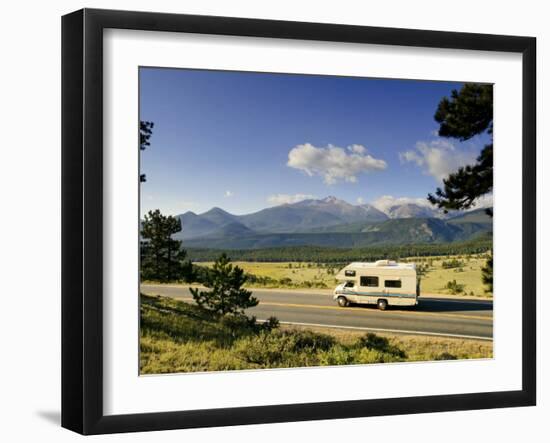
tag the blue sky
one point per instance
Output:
(246, 141)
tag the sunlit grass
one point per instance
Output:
(313, 275)
(434, 281)
(178, 337)
(289, 274)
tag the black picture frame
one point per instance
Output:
(82, 218)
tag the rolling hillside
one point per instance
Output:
(479, 216)
(391, 232)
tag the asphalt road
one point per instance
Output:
(432, 316)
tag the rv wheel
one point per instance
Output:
(382, 304)
(342, 302)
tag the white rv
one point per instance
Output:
(384, 283)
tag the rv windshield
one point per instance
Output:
(349, 284)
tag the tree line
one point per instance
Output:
(320, 254)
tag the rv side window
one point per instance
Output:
(392, 283)
(369, 281)
(349, 273)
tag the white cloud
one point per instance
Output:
(437, 158)
(385, 202)
(360, 200)
(333, 163)
(485, 201)
(228, 194)
(282, 199)
(357, 149)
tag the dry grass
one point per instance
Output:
(468, 275)
(417, 347)
(434, 281)
(179, 337)
(298, 273)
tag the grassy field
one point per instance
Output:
(290, 274)
(468, 274)
(179, 337)
(438, 271)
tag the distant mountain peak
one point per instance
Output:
(331, 199)
(409, 210)
(327, 201)
(367, 206)
(215, 210)
(370, 208)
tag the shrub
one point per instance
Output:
(382, 344)
(487, 274)
(237, 325)
(266, 349)
(260, 280)
(422, 269)
(366, 355)
(309, 340)
(454, 263)
(271, 323)
(454, 288)
(287, 348)
(445, 356)
(337, 355)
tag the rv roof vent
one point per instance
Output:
(386, 263)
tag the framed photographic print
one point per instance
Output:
(269, 221)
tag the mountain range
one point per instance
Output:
(328, 222)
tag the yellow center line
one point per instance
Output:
(358, 310)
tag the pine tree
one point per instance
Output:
(145, 133)
(226, 295)
(162, 257)
(487, 274)
(467, 113)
